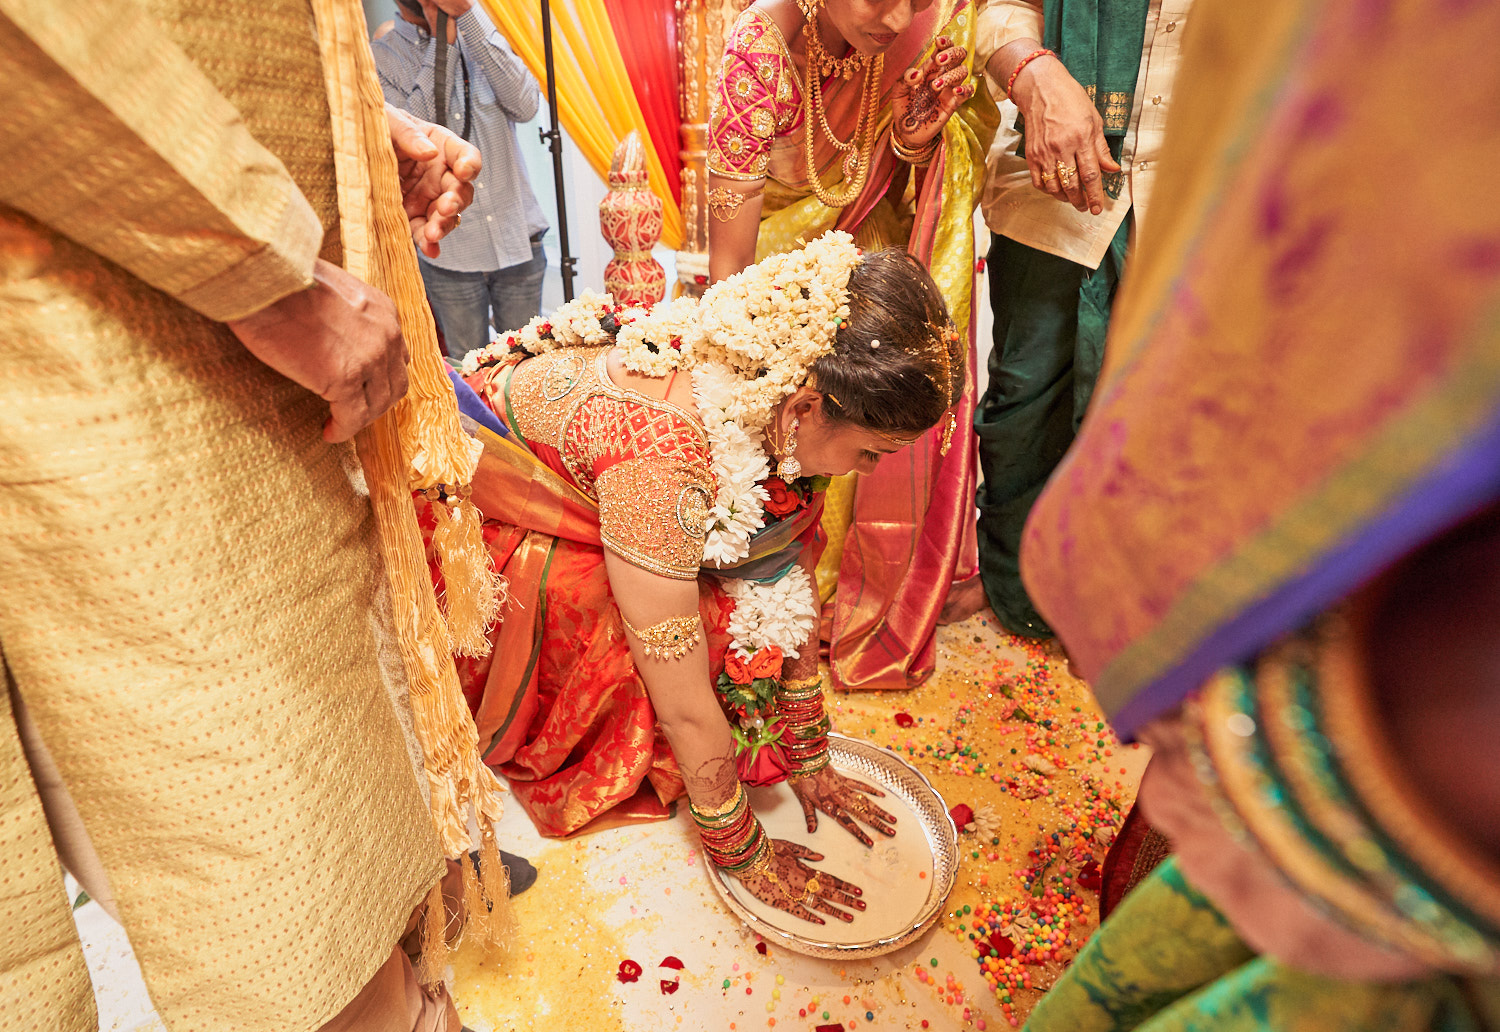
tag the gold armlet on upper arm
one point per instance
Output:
(725, 203)
(670, 639)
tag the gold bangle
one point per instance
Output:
(803, 684)
(724, 808)
(919, 157)
(671, 639)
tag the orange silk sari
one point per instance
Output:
(561, 710)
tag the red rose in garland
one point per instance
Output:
(783, 501)
(765, 663)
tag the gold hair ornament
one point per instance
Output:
(948, 334)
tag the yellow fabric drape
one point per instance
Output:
(418, 443)
(596, 103)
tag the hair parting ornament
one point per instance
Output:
(948, 335)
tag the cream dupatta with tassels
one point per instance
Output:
(418, 445)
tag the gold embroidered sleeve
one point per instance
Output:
(652, 511)
(193, 205)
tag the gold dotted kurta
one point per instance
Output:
(185, 568)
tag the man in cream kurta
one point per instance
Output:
(186, 564)
(1062, 221)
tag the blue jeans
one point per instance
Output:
(462, 301)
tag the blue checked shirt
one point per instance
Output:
(497, 228)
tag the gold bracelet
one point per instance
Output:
(920, 157)
(671, 639)
(724, 808)
(762, 862)
(803, 684)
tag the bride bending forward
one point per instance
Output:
(652, 484)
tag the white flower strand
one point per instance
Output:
(783, 613)
(739, 463)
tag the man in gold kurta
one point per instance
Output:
(186, 566)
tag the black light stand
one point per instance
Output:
(553, 139)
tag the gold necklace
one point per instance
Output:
(858, 148)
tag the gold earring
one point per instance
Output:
(789, 468)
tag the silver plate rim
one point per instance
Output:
(839, 743)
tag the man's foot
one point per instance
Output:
(964, 600)
(522, 873)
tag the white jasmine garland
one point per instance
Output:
(782, 614)
(577, 323)
(662, 340)
(739, 463)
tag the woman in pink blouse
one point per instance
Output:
(862, 115)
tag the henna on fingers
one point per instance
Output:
(844, 799)
(786, 882)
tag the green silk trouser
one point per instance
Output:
(1051, 318)
(1167, 961)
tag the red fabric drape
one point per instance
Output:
(646, 31)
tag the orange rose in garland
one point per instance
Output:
(766, 662)
(783, 500)
(737, 668)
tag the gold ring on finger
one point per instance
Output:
(812, 886)
(1047, 177)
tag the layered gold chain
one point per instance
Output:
(860, 146)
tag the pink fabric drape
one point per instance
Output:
(647, 34)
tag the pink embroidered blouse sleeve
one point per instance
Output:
(757, 99)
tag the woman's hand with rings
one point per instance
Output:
(843, 799)
(1065, 146)
(927, 96)
(787, 883)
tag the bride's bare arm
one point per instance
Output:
(695, 726)
(680, 689)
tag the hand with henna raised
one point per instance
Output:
(843, 799)
(789, 884)
(927, 96)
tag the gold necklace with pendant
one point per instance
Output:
(857, 150)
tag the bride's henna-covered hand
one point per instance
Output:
(926, 97)
(843, 799)
(790, 885)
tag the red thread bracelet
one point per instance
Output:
(1044, 52)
